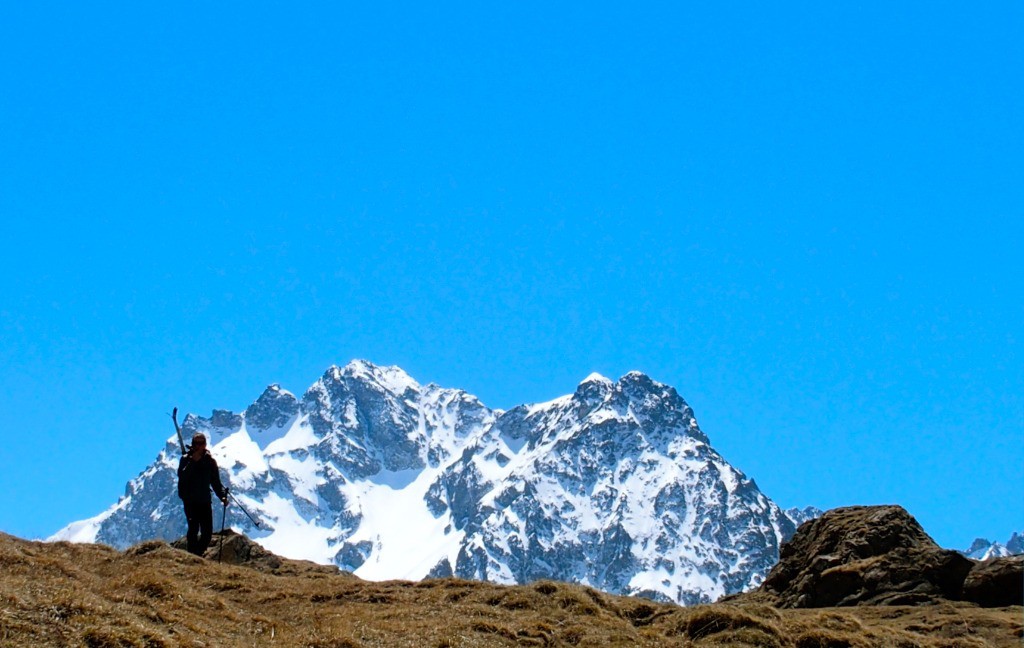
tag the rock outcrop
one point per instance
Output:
(997, 582)
(880, 555)
(234, 548)
(864, 555)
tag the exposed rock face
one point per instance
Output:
(615, 486)
(998, 582)
(1015, 545)
(864, 555)
(276, 408)
(806, 514)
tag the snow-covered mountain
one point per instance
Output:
(799, 516)
(614, 486)
(982, 549)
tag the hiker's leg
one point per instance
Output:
(205, 516)
(192, 535)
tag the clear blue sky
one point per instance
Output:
(807, 218)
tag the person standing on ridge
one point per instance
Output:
(197, 474)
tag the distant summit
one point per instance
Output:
(799, 516)
(982, 549)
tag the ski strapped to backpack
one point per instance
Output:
(177, 428)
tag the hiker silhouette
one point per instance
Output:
(197, 474)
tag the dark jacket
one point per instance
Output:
(195, 478)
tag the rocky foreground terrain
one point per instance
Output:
(879, 584)
(880, 555)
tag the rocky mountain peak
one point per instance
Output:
(221, 422)
(597, 378)
(656, 408)
(639, 379)
(801, 515)
(1015, 545)
(984, 549)
(593, 391)
(979, 546)
(275, 408)
(390, 378)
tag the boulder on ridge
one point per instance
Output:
(864, 555)
(235, 548)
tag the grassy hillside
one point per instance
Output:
(154, 595)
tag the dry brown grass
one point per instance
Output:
(154, 596)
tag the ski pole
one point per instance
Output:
(223, 525)
(247, 514)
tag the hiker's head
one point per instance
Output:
(198, 441)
